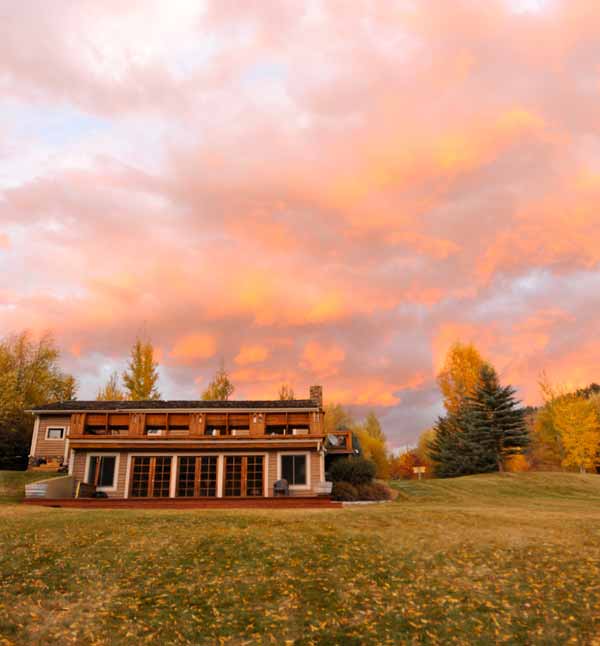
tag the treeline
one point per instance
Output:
(486, 429)
(30, 376)
(565, 430)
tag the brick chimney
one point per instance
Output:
(316, 394)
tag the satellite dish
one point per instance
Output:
(333, 440)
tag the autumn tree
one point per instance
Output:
(459, 376)
(30, 376)
(141, 377)
(576, 420)
(286, 393)
(111, 390)
(375, 450)
(546, 450)
(337, 418)
(220, 388)
(401, 466)
(422, 450)
(372, 427)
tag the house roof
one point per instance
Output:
(157, 404)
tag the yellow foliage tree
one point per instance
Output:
(422, 450)
(576, 419)
(374, 449)
(460, 375)
(546, 449)
(517, 463)
(337, 418)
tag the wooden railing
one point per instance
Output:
(204, 424)
(344, 441)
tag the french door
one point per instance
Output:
(151, 477)
(197, 476)
(244, 476)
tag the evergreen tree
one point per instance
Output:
(141, 377)
(456, 449)
(499, 422)
(220, 388)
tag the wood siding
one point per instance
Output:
(51, 448)
(271, 459)
(79, 470)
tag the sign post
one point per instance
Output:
(419, 471)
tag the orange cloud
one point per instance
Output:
(321, 359)
(250, 354)
(194, 347)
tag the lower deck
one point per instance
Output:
(198, 476)
(295, 502)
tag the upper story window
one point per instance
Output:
(55, 433)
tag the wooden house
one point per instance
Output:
(189, 449)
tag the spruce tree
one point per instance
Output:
(141, 377)
(499, 421)
(456, 449)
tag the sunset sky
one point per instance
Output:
(315, 192)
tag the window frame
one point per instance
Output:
(55, 427)
(88, 459)
(306, 455)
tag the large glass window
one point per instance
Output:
(244, 475)
(151, 477)
(293, 469)
(101, 472)
(197, 476)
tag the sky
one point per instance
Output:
(311, 192)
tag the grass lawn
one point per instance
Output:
(479, 560)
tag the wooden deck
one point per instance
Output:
(294, 502)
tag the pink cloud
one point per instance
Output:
(333, 195)
(322, 360)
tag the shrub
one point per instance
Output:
(344, 491)
(356, 471)
(374, 491)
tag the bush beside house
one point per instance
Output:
(353, 479)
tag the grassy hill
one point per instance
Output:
(478, 560)
(506, 488)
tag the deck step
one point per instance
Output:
(170, 503)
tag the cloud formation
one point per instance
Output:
(310, 192)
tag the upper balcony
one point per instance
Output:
(214, 425)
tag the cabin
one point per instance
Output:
(189, 449)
